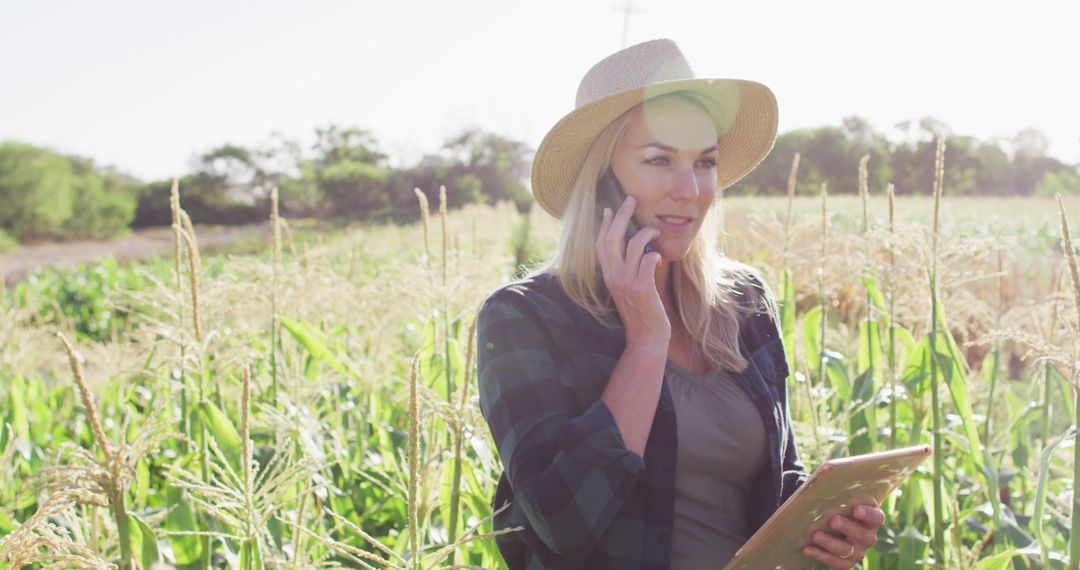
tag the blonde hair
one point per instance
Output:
(705, 282)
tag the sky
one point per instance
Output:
(146, 86)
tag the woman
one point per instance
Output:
(636, 390)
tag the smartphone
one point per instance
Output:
(609, 194)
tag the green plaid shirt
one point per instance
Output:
(584, 499)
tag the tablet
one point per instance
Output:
(834, 488)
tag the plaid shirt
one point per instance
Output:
(584, 499)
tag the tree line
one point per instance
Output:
(345, 174)
(1017, 166)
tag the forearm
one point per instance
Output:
(633, 391)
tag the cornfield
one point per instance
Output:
(315, 406)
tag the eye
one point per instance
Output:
(707, 163)
(658, 161)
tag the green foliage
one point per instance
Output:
(346, 382)
(525, 251)
(312, 343)
(36, 188)
(489, 163)
(975, 167)
(7, 243)
(104, 201)
(143, 542)
(353, 187)
(48, 195)
(220, 427)
(90, 297)
(205, 196)
(1064, 182)
(187, 549)
(344, 174)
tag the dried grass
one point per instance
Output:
(42, 541)
(174, 207)
(424, 215)
(193, 272)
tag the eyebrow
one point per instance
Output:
(667, 148)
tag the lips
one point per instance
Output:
(675, 223)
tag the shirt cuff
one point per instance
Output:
(594, 437)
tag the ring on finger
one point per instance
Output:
(848, 555)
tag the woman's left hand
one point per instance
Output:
(858, 536)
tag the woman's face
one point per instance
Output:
(666, 159)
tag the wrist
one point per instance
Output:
(655, 346)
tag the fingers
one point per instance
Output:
(635, 250)
(870, 515)
(647, 269)
(619, 259)
(859, 533)
(616, 235)
(832, 560)
(856, 532)
(855, 535)
(833, 551)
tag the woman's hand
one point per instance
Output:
(629, 275)
(858, 536)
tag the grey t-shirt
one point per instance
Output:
(721, 448)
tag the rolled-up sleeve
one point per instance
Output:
(569, 469)
(594, 437)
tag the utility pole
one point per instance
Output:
(627, 9)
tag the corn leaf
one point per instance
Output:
(913, 547)
(836, 371)
(187, 549)
(863, 424)
(1040, 490)
(1000, 561)
(433, 371)
(143, 542)
(222, 430)
(869, 347)
(877, 300)
(312, 343)
(916, 369)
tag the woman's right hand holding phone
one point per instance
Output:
(629, 274)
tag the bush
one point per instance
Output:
(49, 195)
(7, 243)
(202, 196)
(1064, 182)
(103, 205)
(36, 187)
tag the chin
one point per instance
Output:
(672, 252)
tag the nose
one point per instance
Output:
(686, 185)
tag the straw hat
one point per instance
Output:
(744, 111)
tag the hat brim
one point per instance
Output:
(745, 113)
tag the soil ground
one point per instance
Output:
(140, 244)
